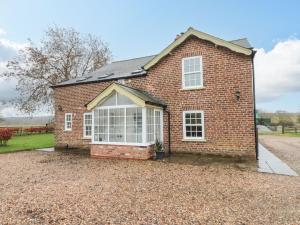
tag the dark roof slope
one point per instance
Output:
(147, 97)
(113, 71)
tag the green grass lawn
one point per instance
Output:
(28, 142)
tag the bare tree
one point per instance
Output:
(63, 54)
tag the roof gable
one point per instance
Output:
(192, 32)
(139, 97)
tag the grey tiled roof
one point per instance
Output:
(243, 42)
(125, 69)
(113, 71)
(147, 97)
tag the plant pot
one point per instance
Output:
(160, 155)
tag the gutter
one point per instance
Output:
(254, 106)
(96, 81)
(169, 132)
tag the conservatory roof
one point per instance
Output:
(138, 96)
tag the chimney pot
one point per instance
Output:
(177, 36)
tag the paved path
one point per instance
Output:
(46, 149)
(269, 163)
(285, 148)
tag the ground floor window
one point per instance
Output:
(126, 125)
(193, 124)
(154, 125)
(68, 122)
(87, 125)
(118, 125)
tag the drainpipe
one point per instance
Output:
(254, 106)
(169, 132)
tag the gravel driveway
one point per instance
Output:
(286, 148)
(55, 188)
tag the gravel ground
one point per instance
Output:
(285, 148)
(55, 188)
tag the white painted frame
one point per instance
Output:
(200, 71)
(202, 124)
(84, 125)
(161, 125)
(144, 126)
(66, 122)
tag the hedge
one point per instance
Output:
(5, 135)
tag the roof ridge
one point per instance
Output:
(239, 39)
(133, 58)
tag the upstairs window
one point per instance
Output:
(192, 75)
(87, 125)
(68, 121)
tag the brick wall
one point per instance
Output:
(229, 123)
(121, 151)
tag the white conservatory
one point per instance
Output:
(125, 122)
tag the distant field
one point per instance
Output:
(280, 134)
(28, 142)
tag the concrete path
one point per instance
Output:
(269, 163)
(46, 149)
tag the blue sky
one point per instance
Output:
(138, 28)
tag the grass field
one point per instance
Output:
(28, 142)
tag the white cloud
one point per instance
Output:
(2, 31)
(277, 72)
(8, 49)
(9, 110)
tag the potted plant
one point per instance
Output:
(159, 150)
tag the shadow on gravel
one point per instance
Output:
(241, 163)
(74, 151)
(71, 156)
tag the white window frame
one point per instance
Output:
(154, 130)
(66, 122)
(202, 124)
(161, 125)
(144, 124)
(200, 71)
(84, 126)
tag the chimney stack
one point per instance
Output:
(177, 36)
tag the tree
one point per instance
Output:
(63, 54)
(284, 119)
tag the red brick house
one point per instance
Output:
(196, 95)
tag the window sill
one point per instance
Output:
(192, 88)
(194, 140)
(122, 143)
(67, 130)
(86, 138)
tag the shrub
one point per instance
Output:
(33, 130)
(5, 135)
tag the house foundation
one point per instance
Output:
(121, 151)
